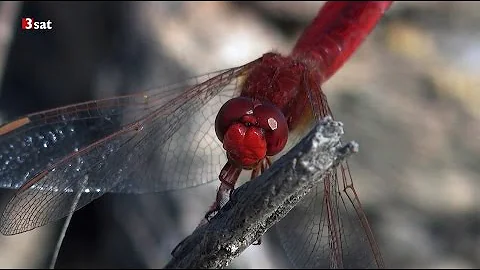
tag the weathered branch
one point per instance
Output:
(257, 205)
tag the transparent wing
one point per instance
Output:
(325, 230)
(126, 138)
(36, 141)
(328, 228)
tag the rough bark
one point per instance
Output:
(257, 205)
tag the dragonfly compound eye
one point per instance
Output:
(250, 130)
(273, 122)
(232, 112)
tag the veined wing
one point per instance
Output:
(328, 228)
(124, 137)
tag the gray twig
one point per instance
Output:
(257, 205)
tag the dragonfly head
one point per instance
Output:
(250, 130)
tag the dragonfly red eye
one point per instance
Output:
(250, 130)
(275, 125)
(232, 111)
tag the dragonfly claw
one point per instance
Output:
(212, 212)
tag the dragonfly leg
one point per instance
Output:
(255, 173)
(228, 178)
(223, 195)
(212, 211)
(266, 163)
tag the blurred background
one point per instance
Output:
(409, 96)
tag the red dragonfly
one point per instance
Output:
(210, 127)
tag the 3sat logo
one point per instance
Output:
(32, 24)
